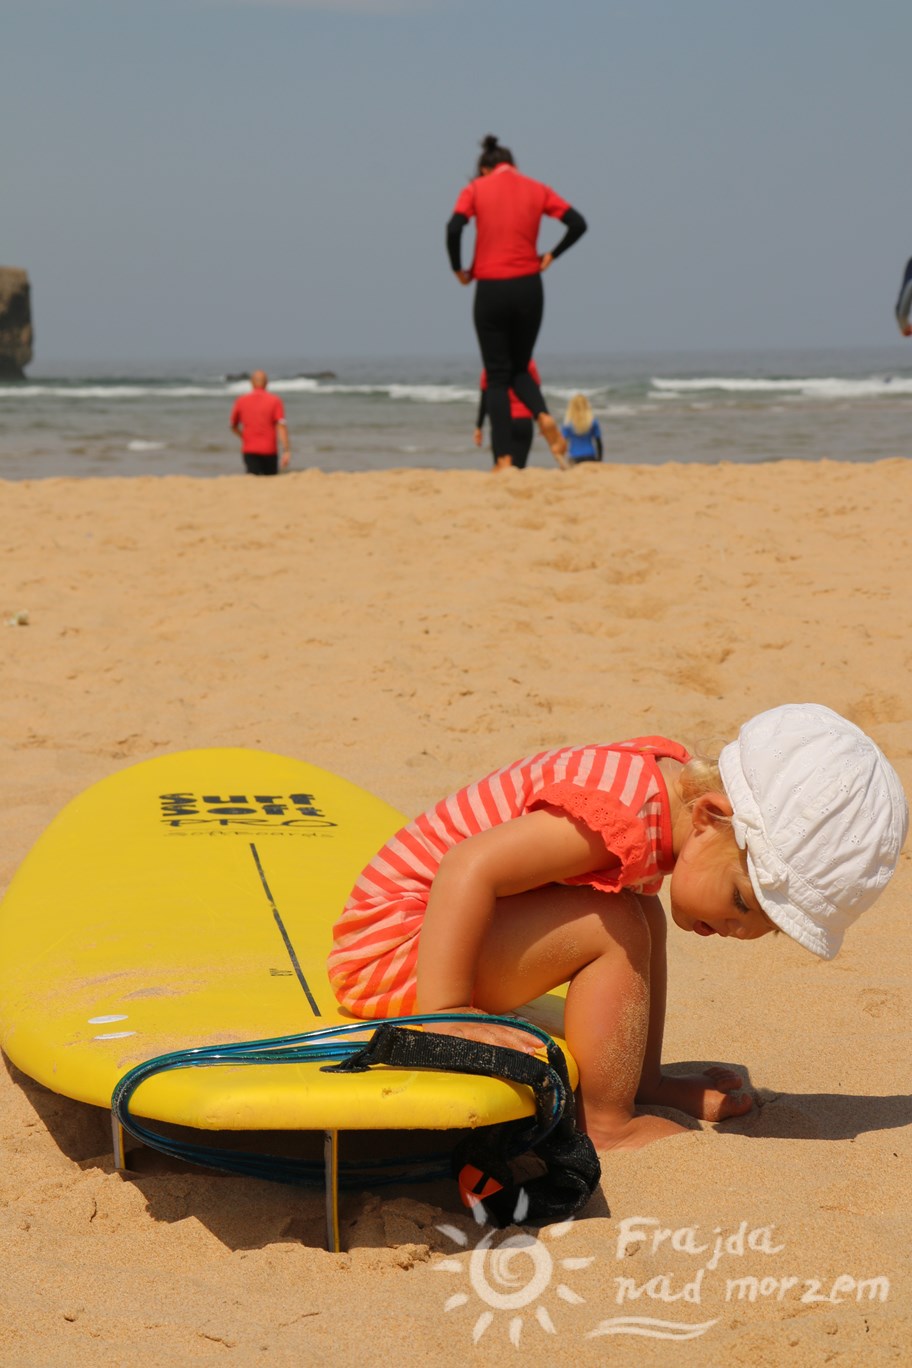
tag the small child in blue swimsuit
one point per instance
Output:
(582, 431)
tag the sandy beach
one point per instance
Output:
(412, 630)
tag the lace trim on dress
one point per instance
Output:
(623, 832)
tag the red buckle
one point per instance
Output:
(475, 1185)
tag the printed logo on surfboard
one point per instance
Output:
(266, 812)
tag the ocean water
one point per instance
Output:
(413, 412)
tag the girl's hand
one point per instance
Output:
(477, 438)
(504, 1036)
(464, 277)
(545, 262)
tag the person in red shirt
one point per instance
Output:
(509, 299)
(520, 426)
(258, 418)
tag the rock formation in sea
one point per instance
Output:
(234, 376)
(15, 323)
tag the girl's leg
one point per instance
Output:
(601, 944)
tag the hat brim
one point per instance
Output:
(781, 911)
(792, 921)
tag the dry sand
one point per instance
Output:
(412, 630)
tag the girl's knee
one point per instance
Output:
(625, 925)
(636, 932)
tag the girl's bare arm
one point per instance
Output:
(539, 848)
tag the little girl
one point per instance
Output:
(547, 872)
(582, 431)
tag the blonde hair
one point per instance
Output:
(700, 775)
(579, 414)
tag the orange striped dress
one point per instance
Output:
(617, 790)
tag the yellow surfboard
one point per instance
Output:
(189, 901)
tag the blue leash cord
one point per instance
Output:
(326, 1044)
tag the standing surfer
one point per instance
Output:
(509, 299)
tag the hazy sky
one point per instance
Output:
(212, 178)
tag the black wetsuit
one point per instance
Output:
(521, 433)
(507, 316)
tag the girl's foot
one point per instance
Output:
(635, 1133)
(713, 1095)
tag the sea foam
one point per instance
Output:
(821, 387)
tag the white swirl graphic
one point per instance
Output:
(499, 1266)
(651, 1328)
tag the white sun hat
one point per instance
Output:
(822, 815)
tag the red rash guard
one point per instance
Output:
(257, 414)
(508, 208)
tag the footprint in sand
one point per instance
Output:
(880, 1002)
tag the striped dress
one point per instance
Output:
(616, 790)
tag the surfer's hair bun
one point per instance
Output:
(492, 154)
